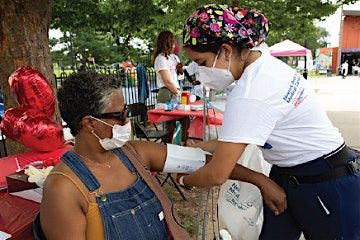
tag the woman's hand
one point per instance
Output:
(178, 176)
(208, 146)
(182, 184)
(274, 196)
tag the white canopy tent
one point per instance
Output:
(288, 48)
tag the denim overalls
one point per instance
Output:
(134, 213)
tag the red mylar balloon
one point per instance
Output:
(50, 162)
(33, 129)
(32, 90)
(39, 132)
(9, 121)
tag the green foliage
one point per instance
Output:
(106, 27)
(69, 15)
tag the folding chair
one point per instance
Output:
(138, 114)
(3, 150)
(37, 231)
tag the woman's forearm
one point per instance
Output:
(165, 76)
(208, 146)
(205, 178)
(218, 170)
(244, 174)
(171, 86)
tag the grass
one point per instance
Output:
(58, 72)
(184, 209)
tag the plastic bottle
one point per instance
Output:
(185, 98)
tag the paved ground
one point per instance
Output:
(341, 100)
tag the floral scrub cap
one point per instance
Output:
(224, 23)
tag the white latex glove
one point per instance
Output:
(38, 176)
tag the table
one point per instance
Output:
(214, 117)
(12, 163)
(17, 215)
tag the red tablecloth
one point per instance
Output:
(14, 162)
(196, 127)
(17, 215)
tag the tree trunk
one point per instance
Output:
(24, 27)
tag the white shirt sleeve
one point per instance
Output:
(161, 63)
(192, 68)
(248, 121)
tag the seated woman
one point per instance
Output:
(95, 192)
(100, 189)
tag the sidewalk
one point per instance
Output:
(341, 100)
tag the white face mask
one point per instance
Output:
(120, 135)
(216, 78)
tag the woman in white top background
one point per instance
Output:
(165, 62)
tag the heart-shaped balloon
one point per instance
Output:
(38, 132)
(32, 90)
(32, 123)
(9, 122)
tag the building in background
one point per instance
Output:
(349, 42)
(330, 59)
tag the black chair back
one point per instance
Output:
(140, 131)
(38, 233)
(3, 150)
(138, 111)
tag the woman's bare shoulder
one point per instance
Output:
(60, 184)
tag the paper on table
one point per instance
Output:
(4, 235)
(31, 194)
(183, 159)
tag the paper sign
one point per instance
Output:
(32, 194)
(4, 235)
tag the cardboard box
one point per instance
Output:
(18, 182)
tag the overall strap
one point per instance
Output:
(81, 170)
(122, 156)
(174, 229)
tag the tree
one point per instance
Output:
(23, 41)
(144, 19)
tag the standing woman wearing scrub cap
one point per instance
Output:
(314, 178)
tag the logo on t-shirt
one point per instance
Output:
(299, 97)
(295, 94)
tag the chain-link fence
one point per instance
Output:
(130, 83)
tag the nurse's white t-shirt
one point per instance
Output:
(274, 107)
(166, 63)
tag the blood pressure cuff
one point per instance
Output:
(183, 159)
